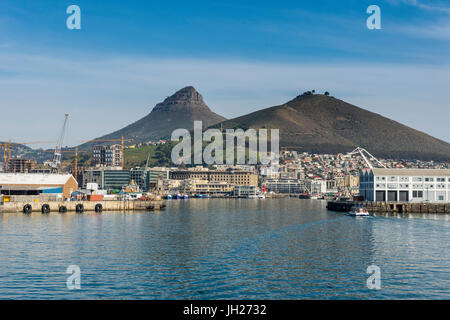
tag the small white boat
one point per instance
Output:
(257, 196)
(358, 211)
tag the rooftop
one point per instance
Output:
(33, 178)
(411, 172)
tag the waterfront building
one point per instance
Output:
(285, 186)
(232, 177)
(138, 176)
(195, 186)
(405, 185)
(107, 178)
(107, 155)
(153, 175)
(172, 185)
(37, 184)
(318, 187)
(245, 191)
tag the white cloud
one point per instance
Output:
(439, 30)
(102, 95)
(430, 6)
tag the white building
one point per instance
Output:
(318, 187)
(405, 185)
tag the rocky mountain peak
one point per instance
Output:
(186, 98)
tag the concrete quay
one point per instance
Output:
(80, 206)
(391, 207)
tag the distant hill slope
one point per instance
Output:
(25, 152)
(177, 111)
(324, 124)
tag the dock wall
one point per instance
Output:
(394, 207)
(112, 205)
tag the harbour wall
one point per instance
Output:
(55, 206)
(393, 207)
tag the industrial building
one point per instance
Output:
(405, 185)
(37, 183)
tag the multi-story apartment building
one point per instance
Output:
(405, 185)
(18, 165)
(107, 155)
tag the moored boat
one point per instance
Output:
(358, 211)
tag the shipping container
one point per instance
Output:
(95, 197)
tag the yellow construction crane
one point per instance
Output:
(76, 158)
(8, 146)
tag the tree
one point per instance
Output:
(326, 93)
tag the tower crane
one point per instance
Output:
(57, 156)
(366, 156)
(9, 146)
(76, 152)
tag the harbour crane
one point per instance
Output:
(76, 152)
(366, 156)
(55, 164)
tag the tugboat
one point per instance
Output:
(358, 211)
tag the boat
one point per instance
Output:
(179, 196)
(185, 196)
(257, 196)
(358, 211)
(168, 197)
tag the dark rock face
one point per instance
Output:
(185, 99)
(324, 124)
(177, 111)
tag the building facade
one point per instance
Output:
(285, 186)
(37, 184)
(242, 178)
(195, 186)
(107, 155)
(107, 178)
(245, 191)
(17, 165)
(405, 185)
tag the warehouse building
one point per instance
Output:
(405, 185)
(37, 184)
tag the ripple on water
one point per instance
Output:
(224, 249)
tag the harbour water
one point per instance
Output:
(225, 249)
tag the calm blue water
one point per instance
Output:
(224, 249)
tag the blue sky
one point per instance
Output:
(241, 55)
